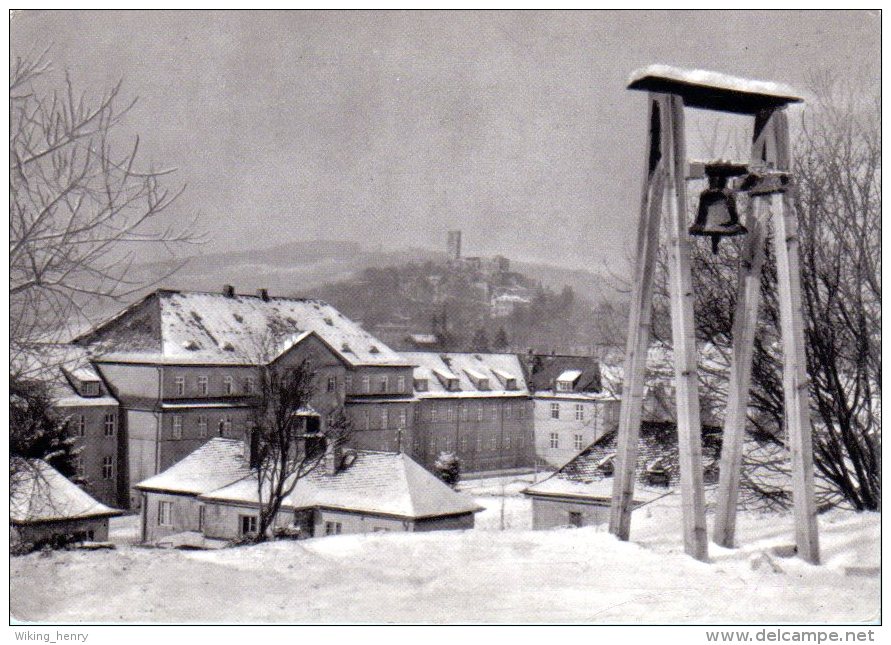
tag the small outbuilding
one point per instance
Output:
(213, 493)
(46, 507)
(580, 493)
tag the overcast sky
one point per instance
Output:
(391, 128)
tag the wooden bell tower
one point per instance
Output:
(768, 182)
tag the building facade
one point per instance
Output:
(474, 405)
(185, 367)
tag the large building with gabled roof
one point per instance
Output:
(184, 368)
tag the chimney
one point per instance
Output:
(228, 291)
(264, 295)
(333, 456)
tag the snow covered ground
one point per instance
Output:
(483, 575)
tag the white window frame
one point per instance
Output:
(80, 467)
(555, 441)
(403, 418)
(202, 425)
(251, 522)
(348, 382)
(400, 384)
(384, 384)
(177, 426)
(203, 387)
(108, 467)
(82, 425)
(578, 441)
(165, 513)
(479, 412)
(579, 411)
(555, 410)
(228, 385)
(385, 418)
(332, 384)
(249, 385)
(180, 382)
(366, 384)
(109, 424)
(90, 388)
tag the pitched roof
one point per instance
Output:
(40, 493)
(587, 474)
(467, 369)
(549, 368)
(212, 328)
(382, 483)
(217, 463)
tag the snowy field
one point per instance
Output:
(484, 575)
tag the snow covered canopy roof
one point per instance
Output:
(40, 493)
(217, 463)
(213, 328)
(569, 376)
(477, 375)
(713, 90)
(382, 483)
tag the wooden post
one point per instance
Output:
(640, 319)
(745, 320)
(683, 333)
(795, 381)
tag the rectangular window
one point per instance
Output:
(417, 444)
(521, 411)
(366, 384)
(495, 412)
(464, 412)
(494, 442)
(450, 412)
(177, 426)
(464, 443)
(433, 412)
(202, 426)
(165, 513)
(180, 385)
(90, 388)
(385, 418)
(479, 412)
(384, 384)
(479, 442)
(107, 467)
(202, 385)
(400, 384)
(109, 424)
(332, 383)
(555, 440)
(403, 418)
(333, 528)
(228, 386)
(507, 442)
(247, 524)
(577, 442)
(379, 529)
(226, 426)
(575, 519)
(249, 385)
(555, 410)
(348, 382)
(81, 426)
(508, 411)
(367, 420)
(201, 510)
(579, 411)
(80, 469)
(521, 441)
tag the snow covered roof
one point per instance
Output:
(40, 493)
(477, 374)
(569, 376)
(382, 483)
(217, 463)
(590, 473)
(213, 328)
(713, 90)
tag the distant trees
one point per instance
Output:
(80, 208)
(448, 468)
(37, 431)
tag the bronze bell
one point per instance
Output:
(717, 216)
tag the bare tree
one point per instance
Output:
(289, 438)
(81, 210)
(838, 203)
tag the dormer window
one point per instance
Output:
(567, 380)
(421, 385)
(90, 388)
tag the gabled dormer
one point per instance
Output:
(85, 381)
